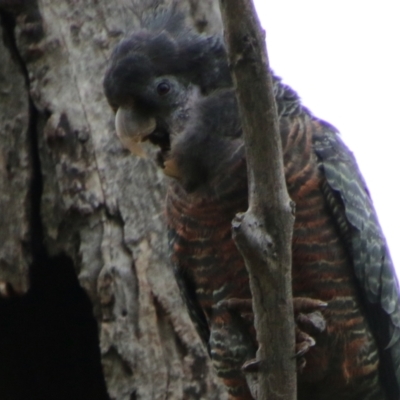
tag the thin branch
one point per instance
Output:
(263, 234)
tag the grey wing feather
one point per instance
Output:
(373, 266)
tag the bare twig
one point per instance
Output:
(263, 234)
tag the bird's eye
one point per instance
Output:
(163, 88)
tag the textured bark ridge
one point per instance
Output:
(68, 186)
(15, 169)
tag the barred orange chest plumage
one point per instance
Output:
(205, 252)
(339, 253)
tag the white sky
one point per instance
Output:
(343, 58)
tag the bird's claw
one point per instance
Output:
(312, 322)
(306, 304)
(309, 320)
(252, 365)
(303, 342)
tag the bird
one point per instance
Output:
(171, 86)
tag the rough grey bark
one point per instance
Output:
(15, 172)
(99, 205)
(264, 233)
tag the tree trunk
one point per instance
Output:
(68, 187)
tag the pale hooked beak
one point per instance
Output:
(132, 128)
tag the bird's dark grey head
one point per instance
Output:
(157, 74)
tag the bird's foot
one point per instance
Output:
(309, 321)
